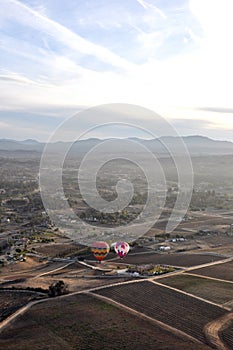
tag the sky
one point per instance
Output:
(171, 56)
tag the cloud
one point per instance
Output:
(23, 133)
(216, 129)
(142, 3)
(38, 66)
(216, 109)
(172, 61)
(5, 125)
(147, 6)
(20, 130)
(193, 125)
(20, 79)
(22, 125)
(25, 15)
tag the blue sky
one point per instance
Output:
(172, 56)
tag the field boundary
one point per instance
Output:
(162, 325)
(218, 262)
(23, 309)
(208, 277)
(190, 295)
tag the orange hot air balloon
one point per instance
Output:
(100, 250)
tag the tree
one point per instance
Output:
(58, 288)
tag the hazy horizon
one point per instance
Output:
(119, 138)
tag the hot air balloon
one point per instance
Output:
(122, 249)
(100, 250)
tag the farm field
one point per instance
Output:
(75, 275)
(84, 322)
(74, 281)
(197, 222)
(29, 264)
(227, 336)
(182, 260)
(11, 301)
(214, 291)
(177, 310)
(58, 249)
(7, 274)
(72, 268)
(221, 271)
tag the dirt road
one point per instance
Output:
(213, 329)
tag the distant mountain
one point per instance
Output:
(29, 142)
(196, 145)
(27, 145)
(205, 145)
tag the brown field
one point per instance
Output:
(205, 219)
(153, 232)
(76, 276)
(220, 244)
(227, 336)
(217, 240)
(73, 284)
(221, 271)
(215, 291)
(58, 249)
(10, 274)
(30, 278)
(50, 266)
(11, 301)
(180, 259)
(82, 322)
(199, 221)
(29, 264)
(168, 306)
(73, 268)
(225, 250)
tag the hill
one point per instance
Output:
(196, 145)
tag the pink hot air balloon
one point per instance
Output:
(122, 249)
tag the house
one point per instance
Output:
(164, 248)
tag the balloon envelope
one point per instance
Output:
(100, 250)
(122, 249)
